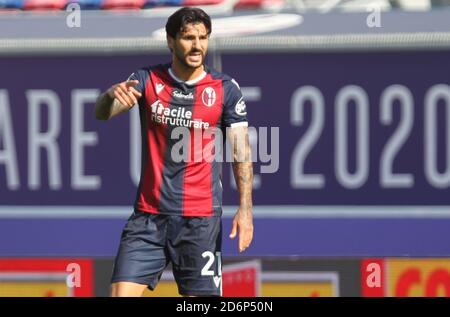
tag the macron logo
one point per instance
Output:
(217, 280)
(159, 88)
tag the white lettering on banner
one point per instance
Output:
(81, 139)
(299, 179)
(8, 155)
(439, 93)
(396, 92)
(353, 158)
(38, 140)
(359, 96)
(432, 173)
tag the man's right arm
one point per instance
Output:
(117, 99)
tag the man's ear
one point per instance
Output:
(170, 42)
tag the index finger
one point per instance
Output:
(245, 239)
(135, 92)
(241, 240)
(131, 83)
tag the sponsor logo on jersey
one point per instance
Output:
(209, 96)
(180, 95)
(175, 116)
(241, 108)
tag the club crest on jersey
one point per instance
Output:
(209, 96)
(241, 108)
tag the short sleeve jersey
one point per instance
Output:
(177, 177)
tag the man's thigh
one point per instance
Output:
(195, 251)
(141, 257)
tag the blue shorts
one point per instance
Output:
(192, 244)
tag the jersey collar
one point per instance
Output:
(187, 82)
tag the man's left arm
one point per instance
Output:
(243, 174)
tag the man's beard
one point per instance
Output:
(183, 59)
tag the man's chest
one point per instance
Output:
(199, 106)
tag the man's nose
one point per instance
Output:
(196, 42)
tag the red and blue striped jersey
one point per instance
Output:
(190, 187)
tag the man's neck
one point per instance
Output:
(185, 73)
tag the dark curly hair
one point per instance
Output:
(178, 20)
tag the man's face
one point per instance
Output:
(190, 45)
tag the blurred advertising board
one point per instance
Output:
(30, 277)
(243, 277)
(406, 277)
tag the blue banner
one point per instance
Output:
(329, 130)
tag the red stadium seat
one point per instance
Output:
(44, 4)
(194, 3)
(256, 4)
(87, 4)
(122, 4)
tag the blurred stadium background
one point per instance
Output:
(358, 203)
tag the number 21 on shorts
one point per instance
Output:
(207, 269)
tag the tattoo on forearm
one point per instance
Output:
(103, 106)
(243, 172)
(106, 106)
